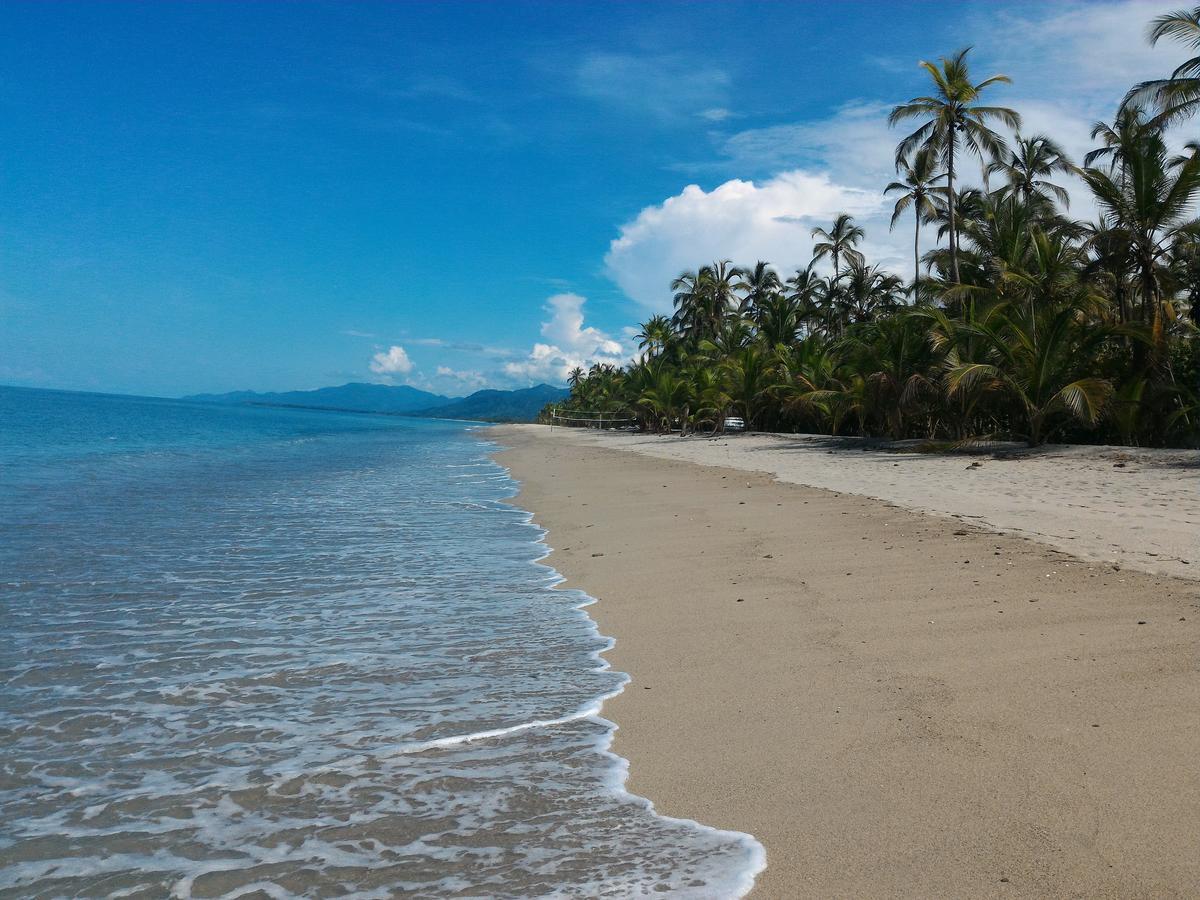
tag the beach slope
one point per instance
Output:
(895, 704)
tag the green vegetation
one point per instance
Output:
(1020, 322)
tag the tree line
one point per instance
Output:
(1020, 322)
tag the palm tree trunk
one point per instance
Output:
(917, 262)
(837, 309)
(953, 213)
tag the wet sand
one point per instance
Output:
(895, 704)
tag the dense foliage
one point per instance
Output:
(1020, 322)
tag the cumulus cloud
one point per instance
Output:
(394, 362)
(466, 378)
(739, 220)
(569, 343)
(853, 145)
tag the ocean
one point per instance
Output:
(254, 652)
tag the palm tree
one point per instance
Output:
(667, 398)
(1027, 168)
(898, 354)
(778, 320)
(748, 381)
(1120, 140)
(867, 291)
(575, 379)
(804, 288)
(953, 118)
(760, 284)
(1038, 367)
(703, 299)
(918, 191)
(838, 243)
(1153, 208)
(1177, 97)
(655, 335)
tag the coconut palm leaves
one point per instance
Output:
(666, 398)
(1027, 167)
(703, 299)
(838, 243)
(655, 336)
(918, 191)
(1151, 205)
(1037, 367)
(1176, 97)
(954, 120)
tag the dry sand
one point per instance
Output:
(895, 704)
(1137, 507)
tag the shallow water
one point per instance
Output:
(266, 652)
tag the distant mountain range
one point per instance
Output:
(486, 406)
(499, 406)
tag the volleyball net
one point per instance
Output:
(576, 418)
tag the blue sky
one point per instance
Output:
(215, 197)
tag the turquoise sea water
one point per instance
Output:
(266, 652)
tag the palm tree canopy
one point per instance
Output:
(1176, 97)
(918, 185)
(953, 109)
(838, 243)
(1028, 166)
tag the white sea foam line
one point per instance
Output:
(756, 852)
(587, 712)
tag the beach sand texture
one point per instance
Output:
(895, 704)
(1134, 506)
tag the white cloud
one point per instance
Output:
(466, 378)
(665, 86)
(569, 344)
(1078, 50)
(715, 114)
(394, 362)
(854, 146)
(738, 220)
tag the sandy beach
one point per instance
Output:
(897, 703)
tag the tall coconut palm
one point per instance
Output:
(867, 291)
(655, 335)
(838, 243)
(804, 288)
(1119, 141)
(1027, 168)
(759, 285)
(1177, 97)
(918, 190)
(1153, 206)
(953, 119)
(703, 299)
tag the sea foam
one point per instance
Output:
(290, 653)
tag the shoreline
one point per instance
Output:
(886, 725)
